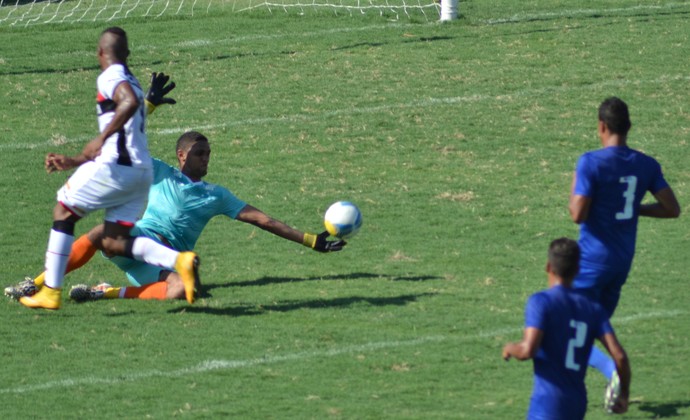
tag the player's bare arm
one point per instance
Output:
(665, 207)
(318, 242)
(578, 205)
(527, 348)
(616, 351)
(127, 104)
(56, 162)
(261, 220)
(155, 97)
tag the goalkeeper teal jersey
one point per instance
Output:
(179, 209)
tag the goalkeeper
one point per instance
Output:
(180, 204)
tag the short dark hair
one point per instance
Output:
(189, 138)
(614, 113)
(564, 257)
(115, 30)
(117, 44)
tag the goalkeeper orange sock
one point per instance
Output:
(82, 251)
(157, 290)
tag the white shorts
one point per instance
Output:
(121, 190)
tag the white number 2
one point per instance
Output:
(629, 196)
(575, 343)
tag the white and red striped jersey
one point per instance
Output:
(129, 146)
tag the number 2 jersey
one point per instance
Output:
(616, 179)
(570, 323)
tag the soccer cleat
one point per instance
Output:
(613, 391)
(25, 287)
(83, 293)
(46, 298)
(187, 266)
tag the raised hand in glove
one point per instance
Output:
(321, 243)
(157, 91)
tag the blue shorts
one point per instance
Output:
(600, 285)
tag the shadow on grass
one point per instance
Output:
(381, 44)
(278, 280)
(247, 310)
(664, 410)
(642, 16)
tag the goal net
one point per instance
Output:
(37, 12)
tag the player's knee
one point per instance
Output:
(96, 235)
(113, 246)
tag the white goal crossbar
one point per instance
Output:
(23, 13)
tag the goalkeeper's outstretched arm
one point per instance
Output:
(320, 242)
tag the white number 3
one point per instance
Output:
(629, 196)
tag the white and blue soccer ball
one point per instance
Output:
(343, 219)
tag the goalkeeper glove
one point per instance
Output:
(321, 244)
(157, 91)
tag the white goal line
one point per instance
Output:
(220, 364)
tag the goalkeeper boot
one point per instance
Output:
(46, 298)
(187, 266)
(26, 287)
(613, 391)
(82, 292)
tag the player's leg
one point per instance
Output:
(83, 249)
(148, 283)
(145, 249)
(610, 295)
(168, 286)
(59, 246)
(116, 239)
(91, 187)
(591, 281)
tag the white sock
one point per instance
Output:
(147, 250)
(59, 247)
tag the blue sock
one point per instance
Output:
(602, 362)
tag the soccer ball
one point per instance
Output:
(343, 219)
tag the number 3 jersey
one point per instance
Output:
(570, 323)
(616, 179)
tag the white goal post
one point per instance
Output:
(22, 13)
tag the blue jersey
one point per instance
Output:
(570, 323)
(616, 179)
(179, 208)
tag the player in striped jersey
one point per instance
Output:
(114, 173)
(180, 205)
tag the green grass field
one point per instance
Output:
(457, 141)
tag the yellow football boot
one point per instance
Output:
(45, 298)
(187, 266)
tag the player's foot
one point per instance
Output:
(613, 391)
(83, 292)
(46, 298)
(25, 287)
(187, 266)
